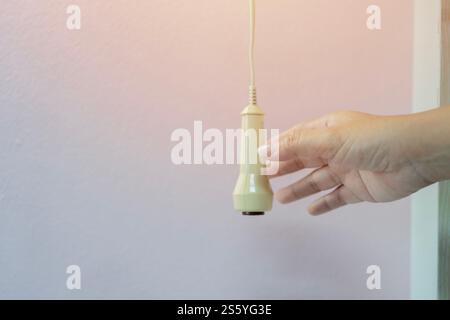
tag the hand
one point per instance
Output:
(363, 157)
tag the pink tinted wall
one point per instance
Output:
(85, 124)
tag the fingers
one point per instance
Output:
(287, 167)
(319, 180)
(294, 165)
(336, 199)
(303, 142)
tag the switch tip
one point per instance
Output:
(253, 213)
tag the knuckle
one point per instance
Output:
(327, 203)
(291, 139)
(333, 177)
(295, 193)
(332, 141)
(313, 185)
(337, 198)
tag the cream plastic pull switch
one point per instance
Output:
(253, 194)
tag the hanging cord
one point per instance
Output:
(252, 88)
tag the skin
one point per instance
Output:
(362, 157)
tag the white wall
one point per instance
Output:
(85, 171)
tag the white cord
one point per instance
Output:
(252, 42)
(252, 89)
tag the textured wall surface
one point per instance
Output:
(85, 170)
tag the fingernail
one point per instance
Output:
(315, 211)
(263, 152)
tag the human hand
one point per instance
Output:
(363, 157)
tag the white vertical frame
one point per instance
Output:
(425, 204)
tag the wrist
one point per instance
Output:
(428, 135)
